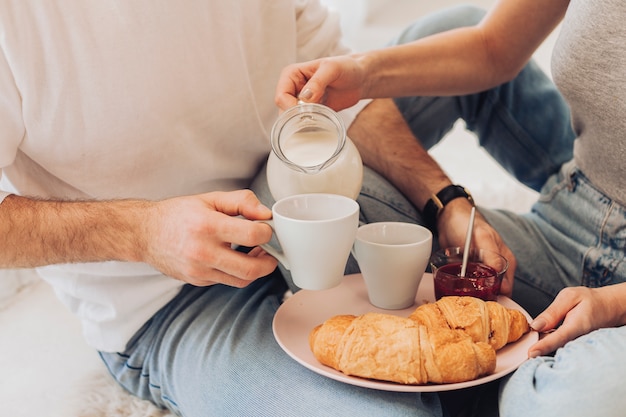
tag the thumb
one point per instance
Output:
(552, 316)
(314, 90)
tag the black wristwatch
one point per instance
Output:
(438, 201)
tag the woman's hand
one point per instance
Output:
(190, 238)
(337, 82)
(579, 310)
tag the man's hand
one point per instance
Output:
(191, 238)
(452, 226)
(188, 238)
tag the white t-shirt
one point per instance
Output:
(141, 99)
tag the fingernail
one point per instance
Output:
(306, 94)
(534, 354)
(538, 324)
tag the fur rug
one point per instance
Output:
(88, 393)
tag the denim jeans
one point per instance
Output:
(584, 378)
(211, 351)
(574, 235)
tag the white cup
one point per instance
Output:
(392, 257)
(316, 233)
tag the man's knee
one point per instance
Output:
(380, 200)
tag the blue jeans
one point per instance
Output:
(211, 352)
(574, 235)
(585, 378)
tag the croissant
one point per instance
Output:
(483, 321)
(391, 348)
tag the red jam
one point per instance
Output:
(480, 281)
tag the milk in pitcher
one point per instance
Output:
(312, 154)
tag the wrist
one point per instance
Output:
(138, 221)
(367, 66)
(437, 203)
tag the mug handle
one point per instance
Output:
(276, 253)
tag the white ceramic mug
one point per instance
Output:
(392, 257)
(316, 233)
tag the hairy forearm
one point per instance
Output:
(388, 146)
(37, 232)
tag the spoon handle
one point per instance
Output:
(468, 240)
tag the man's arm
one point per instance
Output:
(37, 232)
(188, 238)
(388, 146)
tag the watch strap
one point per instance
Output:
(435, 205)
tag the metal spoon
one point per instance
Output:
(468, 240)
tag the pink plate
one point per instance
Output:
(301, 312)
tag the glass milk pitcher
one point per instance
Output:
(312, 154)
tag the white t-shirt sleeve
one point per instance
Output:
(348, 115)
(318, 31)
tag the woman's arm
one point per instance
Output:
(455, 62)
